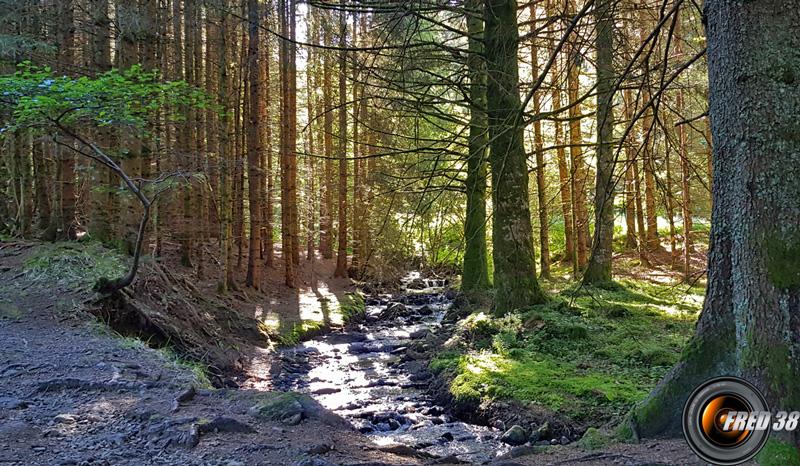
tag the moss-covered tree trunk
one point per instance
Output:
(750, 324)
(599, 268)
(512, 236)
(476, 272)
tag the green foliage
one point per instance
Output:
(40, 99)
(73, 266)
(589, 353)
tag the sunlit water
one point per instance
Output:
(362, 375)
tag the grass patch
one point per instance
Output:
(73, 265)
(590, 353)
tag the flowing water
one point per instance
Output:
(363, 375)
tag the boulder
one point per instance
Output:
(516, 435)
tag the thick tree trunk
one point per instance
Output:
(599, 268)
(512, 235)
(327, 185)
(750, 322)
(475, 274)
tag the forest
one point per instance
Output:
(385, 232)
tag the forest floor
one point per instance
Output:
(74, 391)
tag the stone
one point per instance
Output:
(225, 424)
(9, 402)
(544, 431)
(280, 407)
(320, 449)
(516, 435)
(519, 451)
(326, 391)
(419, 334)
(294, 420)
(447, 437)
(314, 462)
(186, 395)
(564, 440)
(394, 310)
(417, 284)
(65, 419)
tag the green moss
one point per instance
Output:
(778, 453)
(593, 439)
(301, 331)
(572, 354)
(352, 307)
(280, 406)
(776, 362)
(783, 261)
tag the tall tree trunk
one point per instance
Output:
(648, 164)
(564, 189)
(326, 205)
(512, 235)
(599, 268)
(254, 146)
(683, 151)
(267, 241)
(65, 36)
(538, 148)
(289, 145)
(475, 275)
(341, 253)
(631, 242)
(749, 325)
(578, 173)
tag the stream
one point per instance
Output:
(362, 374)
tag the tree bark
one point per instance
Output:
(749, 324)
(538, 149)
(599, 267)
(341, 253)
(475, 271)
(254, 146)
(515, 280)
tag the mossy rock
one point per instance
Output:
(280, 407)
(593, 439)
(292, 407)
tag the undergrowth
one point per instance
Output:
(73, 265)
(589, 353)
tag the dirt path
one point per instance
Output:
(73, 394)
